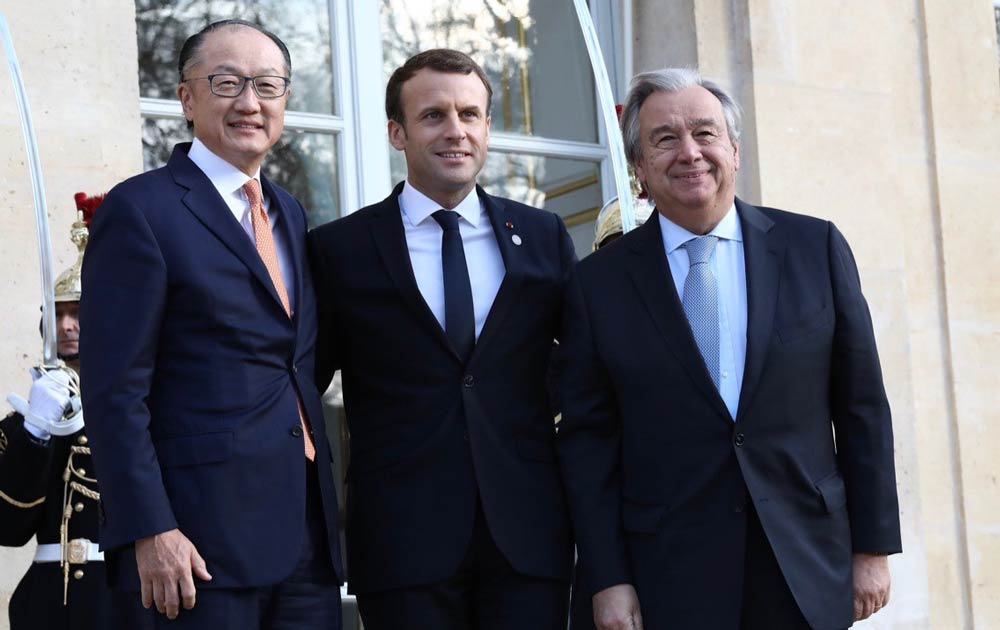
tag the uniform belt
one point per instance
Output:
(80, 551)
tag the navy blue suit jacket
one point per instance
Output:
(190, 369)
(428, 434)
(657, 472)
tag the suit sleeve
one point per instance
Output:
(25, 466)
(326, 351)
(860, 412)
(589, 446)
(124, 297)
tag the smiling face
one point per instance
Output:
(240, 130)
(688, 163)
(444, 134)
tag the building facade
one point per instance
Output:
(882, 116)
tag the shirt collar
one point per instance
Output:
(226, 178)
(417, 207)
(675, 236)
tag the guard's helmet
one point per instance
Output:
(608, 226)
(67, 287)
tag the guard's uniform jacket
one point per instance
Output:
(42, 487)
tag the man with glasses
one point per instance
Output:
(217, 499)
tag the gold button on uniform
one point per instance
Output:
(78, 574)
(81, 440)
(78, 507)
(82, 472)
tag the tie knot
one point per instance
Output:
(700, 249)
(447, 219)
(252, 190)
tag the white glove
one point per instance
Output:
(48, 401)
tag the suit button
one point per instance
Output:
(468, 381)
(740, 438)
(297, 431)
(295, 369)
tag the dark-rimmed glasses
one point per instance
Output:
(232, 85)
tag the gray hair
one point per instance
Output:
(646, 84)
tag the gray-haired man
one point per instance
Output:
(709, 359)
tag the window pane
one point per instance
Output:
(570, 188)
(532, 51)
(304, 26)
(302, 163)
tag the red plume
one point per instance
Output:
(87, 205)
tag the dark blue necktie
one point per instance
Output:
(459, 314)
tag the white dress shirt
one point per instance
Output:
(482, 253)
(729, 267)
(229, 180)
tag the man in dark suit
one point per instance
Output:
(440, 305)
(205, 423)
(726, 439)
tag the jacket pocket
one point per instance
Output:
(194, 450)
(642, 518)
(831, 489)
(806, 325)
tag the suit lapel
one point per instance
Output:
(763, 252)
(390, 240)
(204, 202)
(650, 273)
(513, 263)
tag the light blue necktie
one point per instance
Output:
(701, 301)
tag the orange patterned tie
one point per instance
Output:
(269, 254)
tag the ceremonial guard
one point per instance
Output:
(47, 488)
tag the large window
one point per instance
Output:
(547, 148)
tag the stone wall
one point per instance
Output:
(79, 64)
(885, 118)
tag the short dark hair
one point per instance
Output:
(194, 43)
(439, 60)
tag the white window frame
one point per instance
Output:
(358, 118)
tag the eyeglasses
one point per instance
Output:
(231, 85)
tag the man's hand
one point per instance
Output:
(617, 608)
(165, 563)
(871, 584)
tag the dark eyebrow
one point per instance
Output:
(228, 69)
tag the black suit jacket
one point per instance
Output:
(190, 369)
(428, 434)
(657, 472)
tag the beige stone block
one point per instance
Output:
(79, 64)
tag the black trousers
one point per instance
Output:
(308, 599)
(768, 603)
(485, 593)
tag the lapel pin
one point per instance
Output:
(510, 226)
(516, 239)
